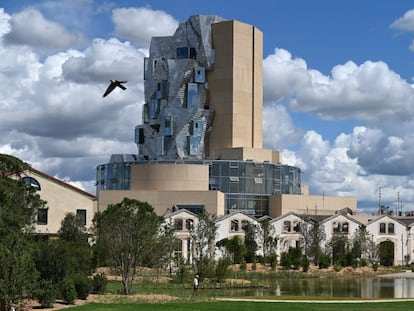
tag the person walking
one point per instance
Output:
(195, 284)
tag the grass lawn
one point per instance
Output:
(249, 306)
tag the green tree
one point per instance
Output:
(362, 244)
(386, 253)
(129, 232)
(203, 235)
(67, 256)
(18, 207)
(250, 233)
(313, 233)
(73, 230)
(234, 247)
(268, 238)
(339, 245)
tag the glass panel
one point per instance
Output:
(42, 216)
(81, 214)
(192, 95)
(391, 228)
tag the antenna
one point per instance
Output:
(379, 200)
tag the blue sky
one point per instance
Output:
(338, 93)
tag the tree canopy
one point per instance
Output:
(18, 207)
(130, 233)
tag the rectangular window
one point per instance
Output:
(382, 227)
(234, 226)
(192, 95)
(391, 228)
(81, 214)
(286, 226)
(42, 216)
(178, 224)
(345, 227)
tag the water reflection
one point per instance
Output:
(350, 288)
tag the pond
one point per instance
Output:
(349, 288)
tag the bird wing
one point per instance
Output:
(121, 86)
(109, 89)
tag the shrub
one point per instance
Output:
(324, 261)
(68, 290)
(46, 294)
(364, 262)
(222, 269)
(243, 266)
(254, 265)
(181, 273)
(305, 264)
(83, 286)
(273, 261)
(99, 283)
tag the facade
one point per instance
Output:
(61, 198)
(199, 145)
(290, 231)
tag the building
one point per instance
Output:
(199, 146)
(61, 198)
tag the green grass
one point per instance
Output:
(250, 306)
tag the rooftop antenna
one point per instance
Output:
(379, 200)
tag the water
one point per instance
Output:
(349, 288)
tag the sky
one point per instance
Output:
(338, 86)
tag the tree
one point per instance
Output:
(313, 233)
(69, 256)
(18, 207)
(203, 235)
(250, 232)
(73, 230)
(129, 231)
(361, 243)
(268, 237)
(339, 245)
(235, 247)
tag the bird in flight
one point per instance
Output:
(113, 85)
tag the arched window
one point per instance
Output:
(31, 182)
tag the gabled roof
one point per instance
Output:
(347, 216)
(284, 216)
(387, 216)
(177, 212)
(61, 183)
(223, 217)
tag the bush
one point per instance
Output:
(305, 264)
(254, 265)
(222, 269)
(46, 294)
(243, 266)
(83, 286)
(273, 261)
(182, 273)
(364, 262)
(324, 262)
(99, 283)
(68, 290)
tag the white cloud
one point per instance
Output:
(105, 60)
(140, 24)
(370, 92)
(278, 129)
(406, 22)
(29, 27)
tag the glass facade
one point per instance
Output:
(247, 185)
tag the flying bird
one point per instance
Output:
(113, 85)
